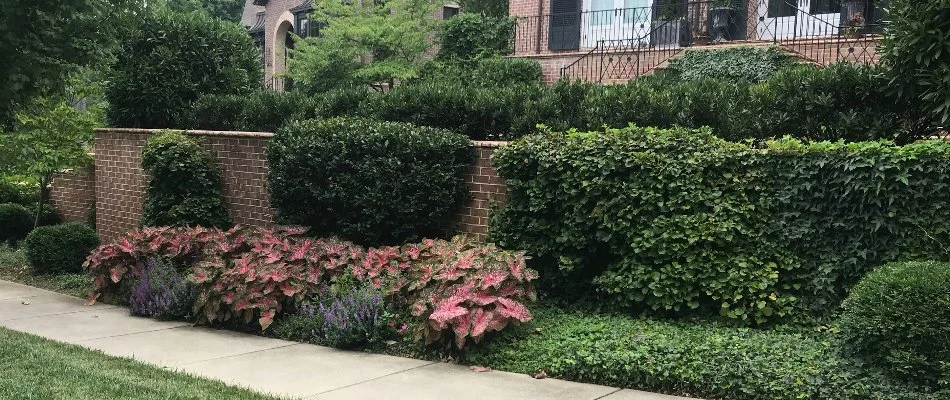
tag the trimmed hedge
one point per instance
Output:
(750, 64)
(897, 318)
(694, 359)
(486, 72)
(15, 223)
(367, 181)
(184, 188)
(678, 221)
(170, 59)
(59, 249)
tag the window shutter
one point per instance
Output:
(564, 31)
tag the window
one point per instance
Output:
(636, 11)
(825, 6)
(449, 12)
(601, 12)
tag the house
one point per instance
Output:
(613, 41)
(271, 23)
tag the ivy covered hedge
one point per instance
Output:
(679, 221)
(751, 64)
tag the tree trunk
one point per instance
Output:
(39, 203)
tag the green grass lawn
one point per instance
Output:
(35, 368)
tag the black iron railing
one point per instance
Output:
(279, 84)
(628, 42)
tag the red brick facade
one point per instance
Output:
(118, 182)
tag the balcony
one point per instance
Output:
(603, 40)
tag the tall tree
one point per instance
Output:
(491, 8)
(368, 42)
(42, 41)
(228, 10)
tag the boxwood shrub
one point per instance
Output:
(60, 249)
(897, 318)
(679, 221)
(368, 181)
(184, 187)
(15, 223)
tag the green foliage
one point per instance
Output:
(896, 317)
(184, 188)
(367, 181)
(37, 61)
(15, 223)
(170, 59)
(751, 64)
(267, 110)
(917, 53)
(16, 193)
(491, 8)
(51, 136)
(473, 36)
(228, 10)
(59, 249)
(487, 72)
(695, 359)
(396, 34)
(675, 221)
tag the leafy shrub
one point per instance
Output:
(185, 184)
(694, 359)
(751, 64)
(914, 51)
(297, 327)
(678, 220)
(275, 271)
(473, 36)
(161, 292)
(457, 290)
(15, 223)
(352, 319)
(59, 249)
(16, 193)
(367, 181)
(485, 72)
(896, 317)
(170, 59)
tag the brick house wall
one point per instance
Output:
(117, 184)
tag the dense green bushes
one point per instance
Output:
(169, 60)
(471, 35)
(838, 102)
(693, 359)
(751, 64)
(368, 181)
(897, 317)
(15, 223)
(679, 221)
(60, 249)
(184, 188)
(486, 72)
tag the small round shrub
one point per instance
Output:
(185, 184)
(898, 317)
(59, 249)
(367, 181)
(13, 193)
(15, 223)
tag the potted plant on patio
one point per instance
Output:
(670, 27)
(720, 16)
(854, 26)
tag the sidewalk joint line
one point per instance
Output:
(608, 394)
(241, 354)
(129, 334)
(60, 313)
(372, 379)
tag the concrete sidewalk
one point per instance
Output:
(269, 365)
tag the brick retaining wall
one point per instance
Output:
(118, 182)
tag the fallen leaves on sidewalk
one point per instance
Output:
(477, 368)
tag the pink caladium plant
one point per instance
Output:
(455, 288)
